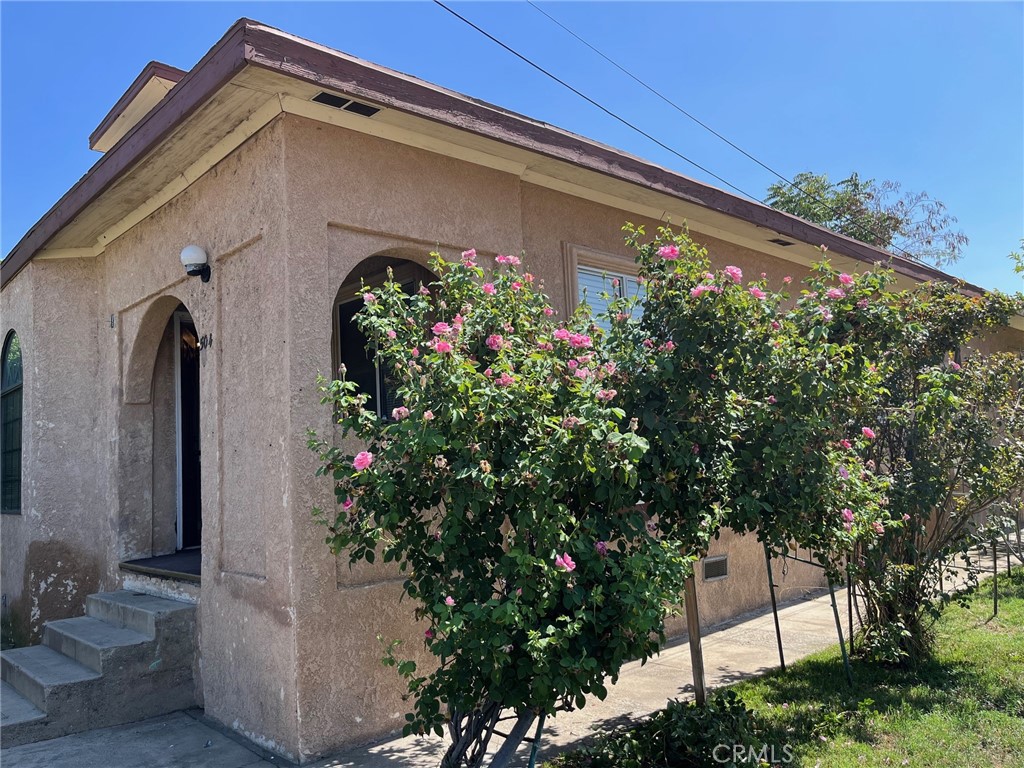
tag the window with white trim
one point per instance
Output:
(598, 278)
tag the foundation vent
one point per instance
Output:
(716, 568)
(349, 105)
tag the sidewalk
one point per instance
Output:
(738, 649)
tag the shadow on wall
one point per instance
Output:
(58, 578)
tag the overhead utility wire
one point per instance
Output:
(589, 100)
(848, 218)
(661, 144)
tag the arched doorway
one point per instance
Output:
(160, 456)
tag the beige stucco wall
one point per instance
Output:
(51, 560)
(288, 641)
(349, 197)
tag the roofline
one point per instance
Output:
(248, 42)
(151, 70)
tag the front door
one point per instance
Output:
(190, 520)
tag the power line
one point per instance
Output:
(814, 198)
(594, 103)
(648, 136)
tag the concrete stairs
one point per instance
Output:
(129, 658)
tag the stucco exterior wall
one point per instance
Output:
(349, 197)
(288, 641)
(51, 557)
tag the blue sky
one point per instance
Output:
(928, 94)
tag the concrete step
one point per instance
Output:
(100, 646)
(15, 709)
(37, 672)
(139, 612)
(129, 659)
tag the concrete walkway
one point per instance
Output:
(741, 648)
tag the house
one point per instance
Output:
(154, 420)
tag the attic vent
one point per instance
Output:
(716, 568)
(780, 241)
(340, 102)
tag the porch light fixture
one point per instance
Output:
(194, 259)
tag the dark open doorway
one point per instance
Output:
(190, 519)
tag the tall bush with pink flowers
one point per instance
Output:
(748, 404)
(505, 488)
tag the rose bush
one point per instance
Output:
(505, 488)
(749, 407)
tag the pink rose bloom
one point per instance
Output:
(846, 444)
(787, 279)
(582, 373)
(835, 293)
(879, 529)
(470, 254)
(399, 413)
(954, 365)
(579, 340)
(443, 347)
(826, 313)
(513, 260)
(415, 352)
(561, 334)
(424, 291)
(488, 373)
(776, 325)
(428, 415)
(906, 518)
(449, 601)
(601, 547)
(549, 311)
(517, 285)
(440, 329)
(610, 366)
(573, 365)
(847, 515)
(733, 273)
(347, 505)
(771, 400)
(547, 346)
(606, 394)
(757, 293)
(649, 343)
(495, 342)
(369, 298)
(868, 432)
(569, 422)
(429, 634)
(565, 562)
(862, 304)
(668, 346)
(528, 277)
(362, 460)
(615, 283)
(669, 252)
(392, 334)
(844, 473)
(698, 291)
(845, 279)
(505, 380)
(489, 289)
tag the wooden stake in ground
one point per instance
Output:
(696, 652)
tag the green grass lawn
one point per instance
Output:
(964, 708)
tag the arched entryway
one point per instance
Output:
(160, 455)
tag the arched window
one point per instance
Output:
(351, 348)
(10, 433)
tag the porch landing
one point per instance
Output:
(183, 565)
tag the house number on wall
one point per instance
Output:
(205, 341)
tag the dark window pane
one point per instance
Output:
(11, 373)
